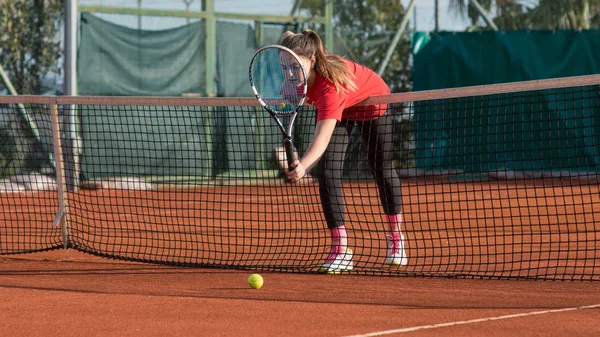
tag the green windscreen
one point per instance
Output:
(545, 130)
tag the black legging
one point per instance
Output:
(377, 136)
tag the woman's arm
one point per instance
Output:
(317, 147)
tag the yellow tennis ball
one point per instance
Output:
(255, 281)
(282, 105)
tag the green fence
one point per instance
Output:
(550, 130)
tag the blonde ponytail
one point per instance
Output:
(332, 67)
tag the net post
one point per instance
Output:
(60, 218)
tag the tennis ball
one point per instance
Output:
(282, 105)
(255, 281)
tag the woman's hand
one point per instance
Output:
(323, 131)
(298, 172)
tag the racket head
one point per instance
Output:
(278, 79)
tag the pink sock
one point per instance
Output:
(339, 237)
(394, 222)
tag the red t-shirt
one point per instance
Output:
(340, 106)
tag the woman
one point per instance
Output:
(335, 86)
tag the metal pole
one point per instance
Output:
(483, 13)
(70, 89)
(296, 6)
(396, 38)
(188, 4)
(70, 68)
(209, 7)
(329, 25)
(437, 15)
(259, 33)
(139, 15)
(288, 26)
(415, 18)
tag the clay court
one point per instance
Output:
(183, 196)
(47, 295)
(547, 232)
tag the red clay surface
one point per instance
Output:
(45, 295)
(545, 228)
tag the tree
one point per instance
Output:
(531, 14)
(29, 49)
(510, 14)
(563, 14)
(363, 32)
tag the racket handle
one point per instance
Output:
(290, 152)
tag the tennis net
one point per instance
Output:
(497, 181)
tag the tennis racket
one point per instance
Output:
(278, 81)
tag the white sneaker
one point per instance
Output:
(396, 255)
(338, 262)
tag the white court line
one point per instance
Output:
(442, 325)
